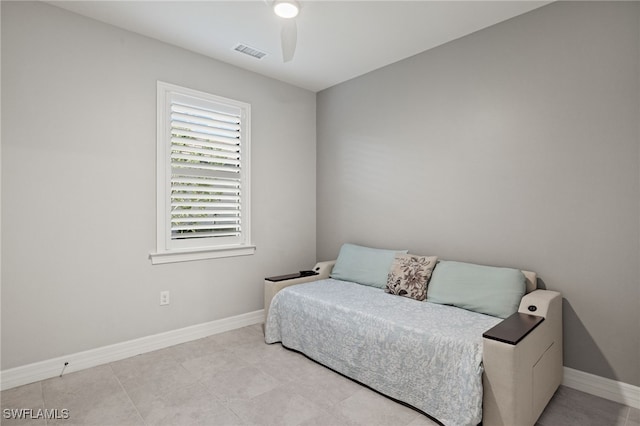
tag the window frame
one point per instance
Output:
(197, 248)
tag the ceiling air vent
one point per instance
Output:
(243, 48)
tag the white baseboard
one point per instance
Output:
(613, 390)
(79, 361)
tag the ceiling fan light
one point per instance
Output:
(286, 9)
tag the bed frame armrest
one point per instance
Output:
(272, 285)
(324, 268)
(514, 328)
(522, 358)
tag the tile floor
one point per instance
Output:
(234, 378)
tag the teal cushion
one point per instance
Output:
(485, 289)
(364, 265)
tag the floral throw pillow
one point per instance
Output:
(409, 275)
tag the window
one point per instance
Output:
(203, 181)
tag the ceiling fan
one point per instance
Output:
(287, 10)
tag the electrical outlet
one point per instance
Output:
(164, 298)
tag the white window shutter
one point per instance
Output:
(206, 187)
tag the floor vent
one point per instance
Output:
(243, 48)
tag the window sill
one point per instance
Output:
(188, 255)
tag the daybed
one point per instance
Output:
(458, 366)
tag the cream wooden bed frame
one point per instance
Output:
(519, 379)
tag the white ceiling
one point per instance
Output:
(337, 40)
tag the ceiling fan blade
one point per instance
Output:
(289, 39)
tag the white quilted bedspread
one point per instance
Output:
(424, 354)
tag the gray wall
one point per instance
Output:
(78, 186)
(514, 146)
